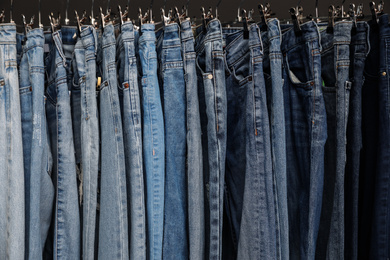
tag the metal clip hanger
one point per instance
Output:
(331, 12)
(265, 13)
(296, 23)
(352, 15)
(27, 27)
(81, 21)
(2, 16)
(66, 13)
(245, 24)
(55, 24)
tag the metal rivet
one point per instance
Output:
(106, 83)
(126, 85)
(210, 76)
(384, 73)
(30, 88)
(2, 83)
(312, 83)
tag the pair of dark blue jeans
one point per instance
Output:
(359, 48)
(306, 134)
(336, 90)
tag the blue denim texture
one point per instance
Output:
(249, 182)
(113, 222)
(153, 141)
(65, 236)
(336, 88)
(359, 49)
(380, 237)
(213, 113)
(12, 189)
(85, 77)
(129, 96)
(195, 188)
(272, 64)
(306, 134)
(172, 88)
(369, 153)
(39, 189)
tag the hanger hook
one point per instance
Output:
(66, 13)
(216, 9)
(10, 11)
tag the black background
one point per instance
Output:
(227, 9)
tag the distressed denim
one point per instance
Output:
(12, 205)
(369, 152)
(87, 110)
(65, 236)
(380, 236)
(172, 85)
(39, 189)
(272, 64)
(195, 188)
(213, 115)
(129, 96)
(359, 49)
(336, 87)
(306, 134)
(153, 141)
(113, 222)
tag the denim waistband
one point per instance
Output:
(148, 33)
(127, 31)
(186, 30)
(68, 33)
(35, 38)
(89, 36)
(309, 32)
(214, 31)
(238, 47)
(107, 38)
(171, 36)
(8, 33)
(362, 35)
(384, 27)
(339, 35)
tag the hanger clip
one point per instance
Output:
(359, 12)
(245, 24)
(331, 13)
(296, 22)
(55, 24)
(352, 15)
(203, 19)
(2, 16)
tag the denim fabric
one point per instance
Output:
(369, 152)
(129, 96)
(39, 189)
(249, 183)
(153, 141)
(380, 237)
(175, 241)
(336, 88)
(87, 110)
(195, 188)
(12, 206)
(113, 223)
(306, 134)
(213, 115)
(272, 65)
(65, 236)
(358, 51)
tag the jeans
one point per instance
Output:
(113, 222)
(249, 183)
(195, 188)
(358, 51)
(85, 59)
(175, 242)
(12, 206)
(153, 141)
(39, 189)
(272, 65)
(65, 236)
(306, 134)
(336, 88)
(213, 115)
(129, 96)
(369, 152)
(380, 236)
